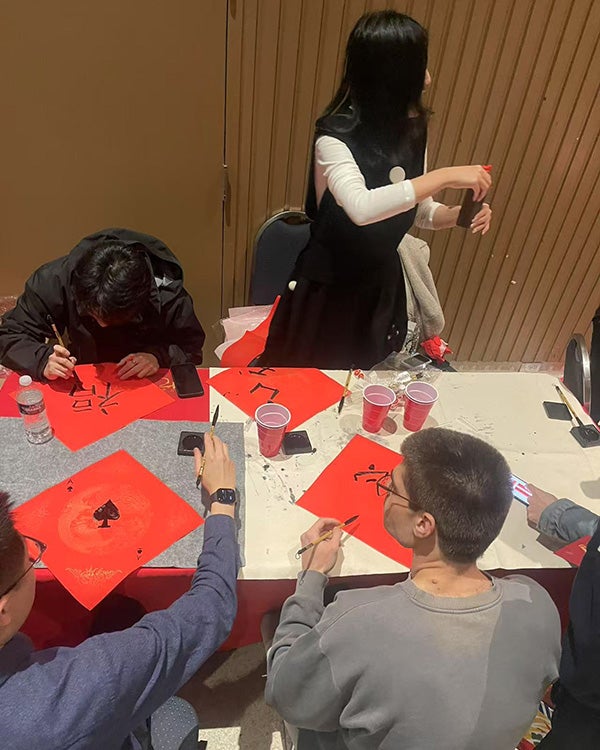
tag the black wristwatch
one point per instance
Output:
(224, 496)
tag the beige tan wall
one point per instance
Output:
(515, 84)
(112, 114)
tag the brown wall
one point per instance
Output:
(113, 115)
(515, 84)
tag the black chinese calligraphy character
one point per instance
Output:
(75, 389)
(262, 371)
(105, 513)
(86, 399)
(107, 399)
(372, 475)
(274, 391)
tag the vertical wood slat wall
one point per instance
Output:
(515, 84)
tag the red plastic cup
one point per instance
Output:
(377, 400)
(418, 400)
(271, 420)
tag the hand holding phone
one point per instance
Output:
(520, 490)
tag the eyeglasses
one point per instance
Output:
(384, 489)
(35, 550)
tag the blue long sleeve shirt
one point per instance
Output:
(94, 695)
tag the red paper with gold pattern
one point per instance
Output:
(304, 391)
(80, 417)
(88, 549)
(347, 488)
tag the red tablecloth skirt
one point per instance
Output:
(58, 619)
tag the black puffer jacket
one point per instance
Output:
(169, 328)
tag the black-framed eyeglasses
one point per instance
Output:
(384, 488)
(35, 550)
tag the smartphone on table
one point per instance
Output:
(186, 380)
(415, 362)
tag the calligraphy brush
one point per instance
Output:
(52, 325)
(211, 433)
(345, 393)
(326, 535)
(591, 433)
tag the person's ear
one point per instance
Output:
(4, 615)
(424, 525)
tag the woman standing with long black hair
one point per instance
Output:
(345, 304)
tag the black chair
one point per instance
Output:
(277, 245)
(595, 368)
(576, 374)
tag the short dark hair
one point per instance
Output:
(464, 483)
(11, 545)
(112, 281)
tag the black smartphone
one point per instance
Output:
(187, 381)
(555, 410)
(415, 362)
(296, 442)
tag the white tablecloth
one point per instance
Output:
(503, 408)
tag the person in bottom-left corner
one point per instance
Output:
(115, 690)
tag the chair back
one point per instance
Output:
(576, 374)
(276, 247)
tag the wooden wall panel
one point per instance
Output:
(515, 84)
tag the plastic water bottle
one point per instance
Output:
(33, 410)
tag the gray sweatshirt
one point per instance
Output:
(393, 667)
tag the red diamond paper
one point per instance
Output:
(194, 409)
(347, 488)
(88, 558)
(80, 417)
(304, 391)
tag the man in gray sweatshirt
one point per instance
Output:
(451, 658)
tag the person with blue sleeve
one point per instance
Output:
(102, 694)
(560, 518)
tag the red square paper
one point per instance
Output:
(304, 391)
(194, 409)
(91, 555)
(574, 552)
(347, 488)
(106, 405)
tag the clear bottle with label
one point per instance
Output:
(33, 410)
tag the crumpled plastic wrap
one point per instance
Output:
(241, 320)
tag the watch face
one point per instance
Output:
(225, 496)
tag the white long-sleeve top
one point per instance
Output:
(336, 169)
